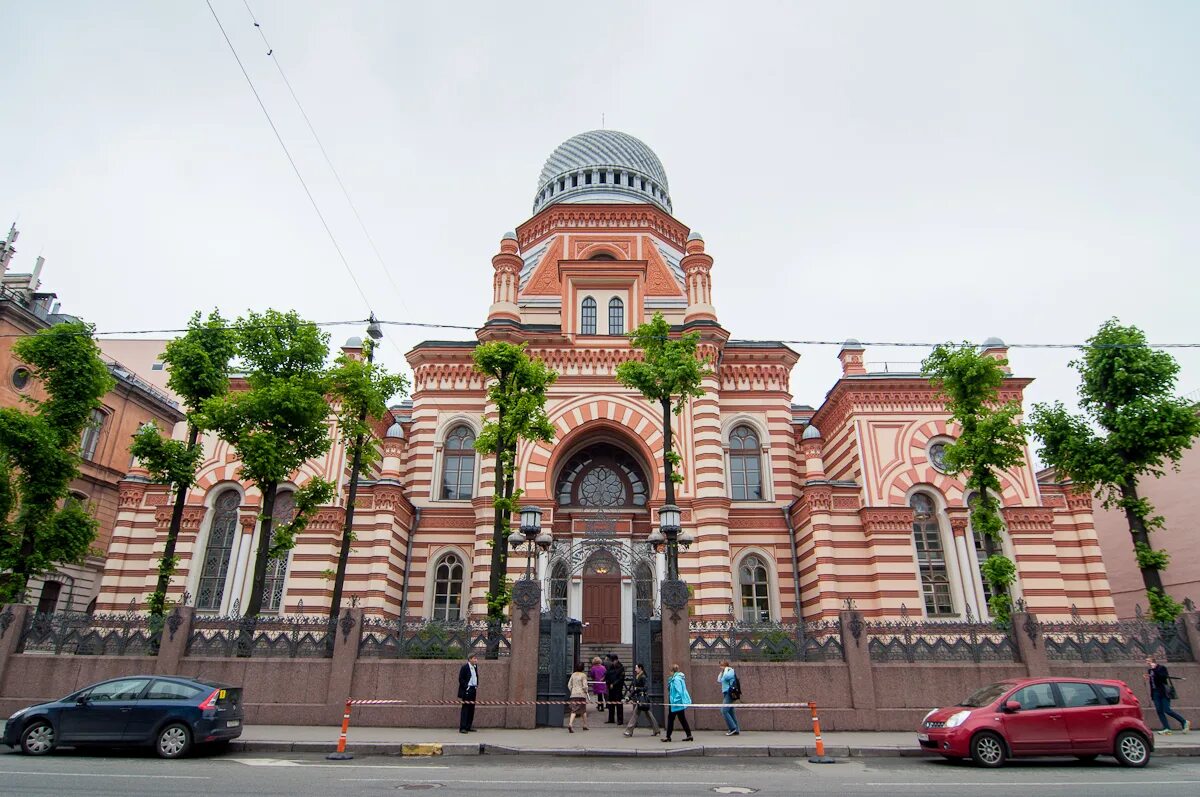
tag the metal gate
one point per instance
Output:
(647, 651)
(558, 650)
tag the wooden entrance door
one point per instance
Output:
(602, 608)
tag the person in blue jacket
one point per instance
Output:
(728, 679)
(679, 700)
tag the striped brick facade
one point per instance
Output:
(833, 521)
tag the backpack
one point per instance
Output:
(735, 688)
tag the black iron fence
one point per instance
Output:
(742, 641)
(917, 639)
(427, 639)
(1124, 640)
(295, 636)
(129, 633)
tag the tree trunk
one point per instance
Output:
(498, 570)
(166, 565)
(254, 605)
(997, 589)
(1137, 529)
(668, 446)
(339, 580)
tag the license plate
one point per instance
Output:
(233, 723)
(922, 737)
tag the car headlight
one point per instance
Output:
(932, 711)
(957, 719)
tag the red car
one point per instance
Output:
(1041, 717)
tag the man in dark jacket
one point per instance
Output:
(468, 686)
(614, 678)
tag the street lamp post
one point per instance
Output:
(670, 534)
(375, 332)
(531, 532)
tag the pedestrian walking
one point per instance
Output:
(1162, 692)
(640, 699)
(599, 686)
(731, 690)
(468, 688)
(614, 679)
(679, 700)
(577, 688)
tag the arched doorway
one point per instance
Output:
(601, 598)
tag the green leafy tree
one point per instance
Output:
(517, 389)
(39, 457)
(360, 389)
(198, 370)
(668, 374)
(1132, 425)
(992, 441)
(277, 423)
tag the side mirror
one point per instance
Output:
(1012, 707)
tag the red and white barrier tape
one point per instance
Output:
(445, 703)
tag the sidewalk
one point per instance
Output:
(603, 740)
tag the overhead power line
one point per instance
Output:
(325, 154)
(358, 322)
(290, 159)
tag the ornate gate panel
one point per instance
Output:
(558, 650)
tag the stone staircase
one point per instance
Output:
(588, 650)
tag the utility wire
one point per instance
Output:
(734, 342)
(291, 160)
(325, 154)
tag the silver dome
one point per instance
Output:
(603, 166)
(811, 433)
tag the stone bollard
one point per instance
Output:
(523, 655)
(12, 621)
(1030, 645)
(857, 651)
(172, 644)
(347, 633)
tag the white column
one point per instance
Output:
(238, 586)
(967, 575)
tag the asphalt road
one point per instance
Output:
(119, 774)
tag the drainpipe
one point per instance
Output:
(787, 517)
(407, 566)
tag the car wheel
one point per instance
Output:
(1087, 759)
(37, 738)
(173, 741)
(1131, 749)
(987, 750)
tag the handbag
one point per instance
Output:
(1171, 694)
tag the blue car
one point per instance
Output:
(169, 713)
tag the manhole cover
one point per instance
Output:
(734, 790)
(417, 786)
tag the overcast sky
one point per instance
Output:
(884, 171)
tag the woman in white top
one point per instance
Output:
(577, 688)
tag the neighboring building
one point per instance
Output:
(104, 449)
(793, 510)
(1174, 497)
(142, 356)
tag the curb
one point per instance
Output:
(708, 751)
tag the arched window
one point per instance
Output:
(985, 546)
(48, 601)
(745, 465)
(616, 316)
(643, 589)
(931, 557)
(221, 536)
(587, 317)
(91, 435)
(601, 476)
(755, 581)
(285, 512)
(458, 464)
(558, 585)
(448, 588)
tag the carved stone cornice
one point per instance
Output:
(388, 499)
(329, 519)
(886, 520)
(760, 376)
(193, 516)
(131, 494)
(1079, 500)
(448, 376)
(1028, 519)
(817, 498)
(601, 217)
(960, 518)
